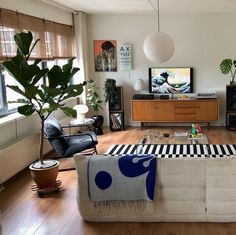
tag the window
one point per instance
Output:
(56, 45)
(7, 41)
(7, 95)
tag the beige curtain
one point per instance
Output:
(81, 43)
(56, 40)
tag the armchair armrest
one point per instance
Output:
(80, 134)
(68, 136)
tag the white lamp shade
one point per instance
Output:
(139, 85)
(81, 109)
(158, 47)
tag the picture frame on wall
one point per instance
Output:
(105, 55)
(124, 52)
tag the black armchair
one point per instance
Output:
(68, 145)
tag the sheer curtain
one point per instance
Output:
(81, 42)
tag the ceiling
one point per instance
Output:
(142, 6)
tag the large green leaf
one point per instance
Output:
(31, 91)
(41, 95)
(55, 76)
(62, 77)
(26, 110)
(51, 92)
(68, 76)
(39, 75)
(67, 67)
(15, 69)
(226, 66)
(69, 112)
(16, 89)
(23, 41)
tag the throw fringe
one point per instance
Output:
(128, 207)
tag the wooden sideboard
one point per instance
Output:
(173, 110)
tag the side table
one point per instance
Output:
(87, 122)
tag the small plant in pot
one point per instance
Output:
(94, 103)
(111, 93)
(41, 99)
(229, 66)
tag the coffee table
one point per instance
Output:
(155, 137)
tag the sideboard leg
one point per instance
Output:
(142, 125)
(208, 125)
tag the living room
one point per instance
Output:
(203, 37)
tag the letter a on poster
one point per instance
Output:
(125, 57)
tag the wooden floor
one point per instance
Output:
(25, 213)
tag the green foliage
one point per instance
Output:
(110, 90)
(43, 99)
(92, 97)
(229, 66)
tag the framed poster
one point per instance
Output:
(125, 57)
(105, 56)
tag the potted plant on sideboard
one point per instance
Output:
(41, 99)
(94, 102)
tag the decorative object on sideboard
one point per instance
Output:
(139, 85)
(95, 102)
(229, 66)
(41, 99)
(158, 46)
(143, 97)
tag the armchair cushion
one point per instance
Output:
(80, 142)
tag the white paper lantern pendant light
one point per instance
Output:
(158, 47)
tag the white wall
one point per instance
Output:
(201, 42)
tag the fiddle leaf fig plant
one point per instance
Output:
(229, 66)
(37, 97)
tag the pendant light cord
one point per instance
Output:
(156, 9)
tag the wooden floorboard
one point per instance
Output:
(23, 212)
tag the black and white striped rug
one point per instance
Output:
(175, 150)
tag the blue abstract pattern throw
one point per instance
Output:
(125, 177)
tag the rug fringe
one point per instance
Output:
(129, 207)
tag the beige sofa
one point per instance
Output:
(187, 190)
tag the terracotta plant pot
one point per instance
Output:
(45, 175)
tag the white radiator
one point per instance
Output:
(19, 154)
(16, 156)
